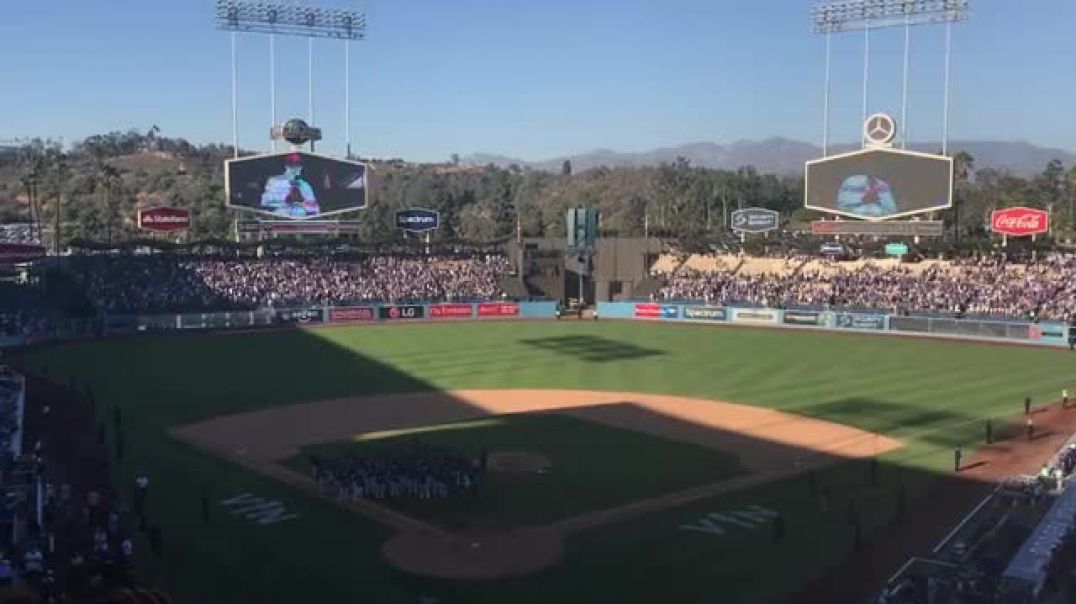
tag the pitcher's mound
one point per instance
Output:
(474, 555)
(518, 462)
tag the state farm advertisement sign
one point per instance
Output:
(1020, 222)
(498, 310)
(164, 220)
(648, 310)
(450, 311)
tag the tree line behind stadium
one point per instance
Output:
(103, 179)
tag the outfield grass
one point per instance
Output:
(931, 394)
(593, 466)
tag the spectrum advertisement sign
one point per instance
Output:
(705, 313)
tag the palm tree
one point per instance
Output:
(1070, 186)
(963, 166)
(106, 181)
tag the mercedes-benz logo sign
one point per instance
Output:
(880, 129)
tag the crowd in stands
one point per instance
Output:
(986, 286)
(418, 471)
(162, 283)
(982, 287)
(20, 233)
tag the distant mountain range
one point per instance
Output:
(784, 156)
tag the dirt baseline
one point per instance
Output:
(770, 445)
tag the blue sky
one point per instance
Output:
(534, 79)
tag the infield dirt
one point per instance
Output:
(769, 444)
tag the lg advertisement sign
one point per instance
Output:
(417, 220)
(754, 220)
(1020, 222)
(401, 313)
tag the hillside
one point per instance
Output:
(685, 191)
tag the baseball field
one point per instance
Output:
(627, 461)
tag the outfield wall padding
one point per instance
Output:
(1044, 333)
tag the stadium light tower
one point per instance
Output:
(272, 18)
(848, 15)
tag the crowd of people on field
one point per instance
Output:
(164, 283)
(417, 471)
(981, 287)
(61, 540)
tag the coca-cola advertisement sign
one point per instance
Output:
(164, 220)
(1020, 222)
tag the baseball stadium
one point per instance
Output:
(289, 375)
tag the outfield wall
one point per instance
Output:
(332, 315)
(306, 315)
(1044, 333)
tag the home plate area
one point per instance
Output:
(488, 483)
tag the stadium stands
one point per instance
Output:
(989, 287)
(165, 283)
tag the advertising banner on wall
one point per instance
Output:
(705, 313)
(803, 317)
(12, 253)
(850, 320)
(498, 309)
(1048, 332)
(670, 312)
(393, 313)
(650, 311)
(755, 220)
(417, 220)
(902, 228)
(1019, 221)
(164, 220)
(743, 315)
(352, 314)
(300, 315)
(450, 311)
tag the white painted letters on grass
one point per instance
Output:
(257, 510)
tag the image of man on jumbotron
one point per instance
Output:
(289, 194)
(866, 195)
